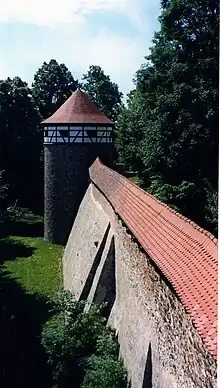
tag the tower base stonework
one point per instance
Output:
(66, 178)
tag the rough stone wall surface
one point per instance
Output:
(158, 342)
(66, 179)
(83, 245)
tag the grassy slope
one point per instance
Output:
(30, 272)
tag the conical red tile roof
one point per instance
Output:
(78, 109)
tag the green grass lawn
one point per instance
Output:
(30, 273)
(38, 273)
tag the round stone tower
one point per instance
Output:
(73, 137)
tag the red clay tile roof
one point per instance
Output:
(184, 252)
(78, 109)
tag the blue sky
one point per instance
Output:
(114, 34)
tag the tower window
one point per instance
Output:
(46, 133)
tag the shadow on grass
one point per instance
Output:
(22, 360)
(23, 229)
(27, 229)
(10, 250)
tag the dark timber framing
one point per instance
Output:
(83, 133)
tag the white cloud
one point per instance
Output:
(53, 12)
(63, 32)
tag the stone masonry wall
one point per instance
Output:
(159, 344)
(66, 179)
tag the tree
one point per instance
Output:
(20, 139)
(177, 97)
(3, 195)
(129, 132)
(78, 344)
(53, 84)
(102, 91)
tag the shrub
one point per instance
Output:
(104, 368)
(105, 372)
(212, 209)
(19, 214)
(75, 340)
(70, 337)
(3, 196)
(107, 343)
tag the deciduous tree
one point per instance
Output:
(20, 138)
(177, 95)
(102, 91)
(53, 84)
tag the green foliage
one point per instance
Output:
(18, 117)
(20, 139)
(211, 210)
(183, 198)
(104, 368)
(173, 111)
(3, 196)
(107, 344)
(102, 91)
(69, 338)
(3, 187)
(105, 372)
(73, 336)
(128, 135)
(53, 84)
(163, 191)
(17, 213)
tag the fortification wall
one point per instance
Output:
(159, 343)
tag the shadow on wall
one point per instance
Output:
(147, 382)
(147, 378)
(106, 288)
(88, 284)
